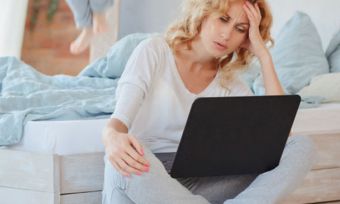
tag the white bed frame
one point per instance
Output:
(36, 178)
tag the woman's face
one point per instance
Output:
(223, 34)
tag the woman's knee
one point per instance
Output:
(112, 177)
(302, 145)
(302, 142)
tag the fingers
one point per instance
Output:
(125, 168)
(258, 10)
(134, 166)
(255, 9)
(132, 151)
(136, 152)
(253, 12)
(117, 167)
(125, 165)
(136, 145)
(124, 156)
(249, 13)
(137, 157)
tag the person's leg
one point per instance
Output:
(81, 12)
(82, 42)
(111, 193)
(269, 187)
(153, 187)
(83, 18)
(100, 5)
(99, 8)
(218, 189)
(273, 186)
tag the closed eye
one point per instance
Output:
(241, 29)
(225, 19)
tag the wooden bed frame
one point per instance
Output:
(36, 178)
(322, 183)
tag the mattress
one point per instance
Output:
(63, 137)
(84, 136)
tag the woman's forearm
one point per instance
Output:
(117, 125)
(113, 127)
(271, 81)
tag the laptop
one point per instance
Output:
(233, 135)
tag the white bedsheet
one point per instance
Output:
(63, 137)
(84, 136)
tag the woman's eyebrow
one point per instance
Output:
(242, 23)
(247, 24)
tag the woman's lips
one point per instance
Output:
(220, 46)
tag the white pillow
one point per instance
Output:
(325, 85)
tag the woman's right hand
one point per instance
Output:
(124, 152)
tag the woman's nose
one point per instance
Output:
(226, 32)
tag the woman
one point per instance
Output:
(198, 57)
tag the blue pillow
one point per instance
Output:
(251, 73)
(333, 53)
(297, 55)
(112, 65)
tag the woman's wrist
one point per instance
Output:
(108, 133)
(264, 55)
(266, 59)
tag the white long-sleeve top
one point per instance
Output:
(152, 100)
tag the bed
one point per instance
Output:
(56, 162)
(50, 166)
(61, 162)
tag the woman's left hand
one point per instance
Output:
(255, 42)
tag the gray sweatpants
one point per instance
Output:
(83, 10)
(157, 187)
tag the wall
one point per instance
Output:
(12, 20)
(154, 15)
(146, 15)
(324, 14)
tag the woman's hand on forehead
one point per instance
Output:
(255, 43)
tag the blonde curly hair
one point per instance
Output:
(187, 27)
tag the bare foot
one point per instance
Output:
(82, 42)
(99, 23)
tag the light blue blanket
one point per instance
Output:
(29, 95)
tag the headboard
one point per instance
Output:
(131, 16)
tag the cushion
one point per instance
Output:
(326, 86)
(112, 65)
(298, 55)
(333, 53)
(249, 74)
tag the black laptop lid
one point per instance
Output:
(234, 135)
